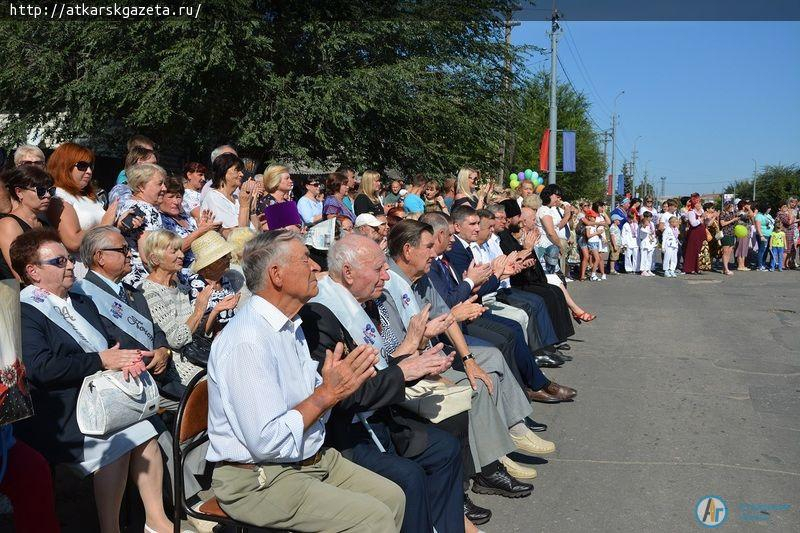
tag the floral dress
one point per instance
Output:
(174, 225)
(197, 283)
(152, 222)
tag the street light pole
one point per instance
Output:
(614, 151)
(755, 173)
(551, 178)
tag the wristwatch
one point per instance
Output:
(467, 357)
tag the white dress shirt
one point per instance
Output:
(258, 371)
(493, 249)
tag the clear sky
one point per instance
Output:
(706, 97)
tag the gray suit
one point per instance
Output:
(490, 415)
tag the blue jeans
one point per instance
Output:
(762, 252)
(777, 258)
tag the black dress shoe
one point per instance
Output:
(476, 515)
(564, 347)
(547, 361)
(563, 356)
(533, 425)
(502, 484)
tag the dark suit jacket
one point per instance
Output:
(381, 393)
(138, 302)
(56, 365)
(453, 291)
(460, 258)
(169, 381)
(534, 275)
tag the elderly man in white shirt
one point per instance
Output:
(268, 406)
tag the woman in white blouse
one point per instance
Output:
(226, 178)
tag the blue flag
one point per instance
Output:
(568, 150)
(621, 185)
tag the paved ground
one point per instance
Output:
(687, 387)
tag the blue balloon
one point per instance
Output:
(535, 174)
(521, 176)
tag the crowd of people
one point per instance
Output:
(371, 356)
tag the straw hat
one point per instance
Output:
(208, 248)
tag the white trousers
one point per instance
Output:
(670, 259)
(631, 259)
(645, 259)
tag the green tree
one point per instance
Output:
(406, 85)
(774, 184)
(532, 118)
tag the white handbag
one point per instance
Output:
(108, 403)
(435, 400)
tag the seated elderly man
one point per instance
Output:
(123, 308)
(498, 428)
(268, 406)
(423, 460)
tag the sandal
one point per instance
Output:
(585, 317)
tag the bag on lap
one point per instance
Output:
(107, 403)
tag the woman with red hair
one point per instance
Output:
(77, 208)
(695, 235)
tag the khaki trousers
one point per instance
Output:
(333, 495)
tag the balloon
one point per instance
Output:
(539, 188)
(521, 176)
(528, 173)
(537, 181)
(740, 231)
(512, 176)
(514, 183)
(534, 174)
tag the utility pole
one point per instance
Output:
(633, 162)
(504, 149)
(755, 173)
(614, 151)
(663, 182)
(551, 178)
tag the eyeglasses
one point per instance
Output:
(37, 163)
(60, 261)
(41, 191)
(313, 184)
(83, 166)
(122, 249)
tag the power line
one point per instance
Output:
(588, 114)
(584, 71)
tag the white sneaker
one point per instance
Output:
(569, 280)
(594, 278)
(603, 277)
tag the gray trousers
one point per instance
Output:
(491, 415)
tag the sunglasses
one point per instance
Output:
(122, 249)
(39, 164)
(41, 191)
(313, 183)
(83, 166)
(60, 261)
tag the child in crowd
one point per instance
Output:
(630, 242)
(615, 244)
(594, 241)
(647, 243)
(777, 244)
(669, 246)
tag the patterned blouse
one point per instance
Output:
(197, 283)
(173, 224)
(152, 222)
(724, 217)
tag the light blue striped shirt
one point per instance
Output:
(258, 371)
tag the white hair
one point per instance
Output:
(348, 250)
(262, 251)
(27, 149)
(219, 150)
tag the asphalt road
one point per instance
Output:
(687, 387)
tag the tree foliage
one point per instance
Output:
(532, 118)
(385, 84)
(774, 185)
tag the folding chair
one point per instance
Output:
(191, 422)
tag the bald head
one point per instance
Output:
(357, 263)
(527, 217)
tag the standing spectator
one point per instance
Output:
(309, 206)
(630, 242)
(695, 235)
(764, 224)
(226, 177)
(392, 198)
(710, 247)
(194, 177)
(550, 219)
(28, 154)
(786, 217)
(647, 243)
(137, 155)
(349, 196)
(368, 198)
(147, 184)
(215, 153)
(777, 245)
(449, 192)
(525, 189)
(466, 192)
(136, 141)
(745, 218)
(614, 244)
(77, 208)
(336, 190)
(278, 187)
(31, 189)
(412, 201)
(433, 200)
(669, 245)
(727, 223)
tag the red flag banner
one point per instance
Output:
(544, 151)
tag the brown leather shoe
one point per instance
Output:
(560, 392)
(540, 396)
